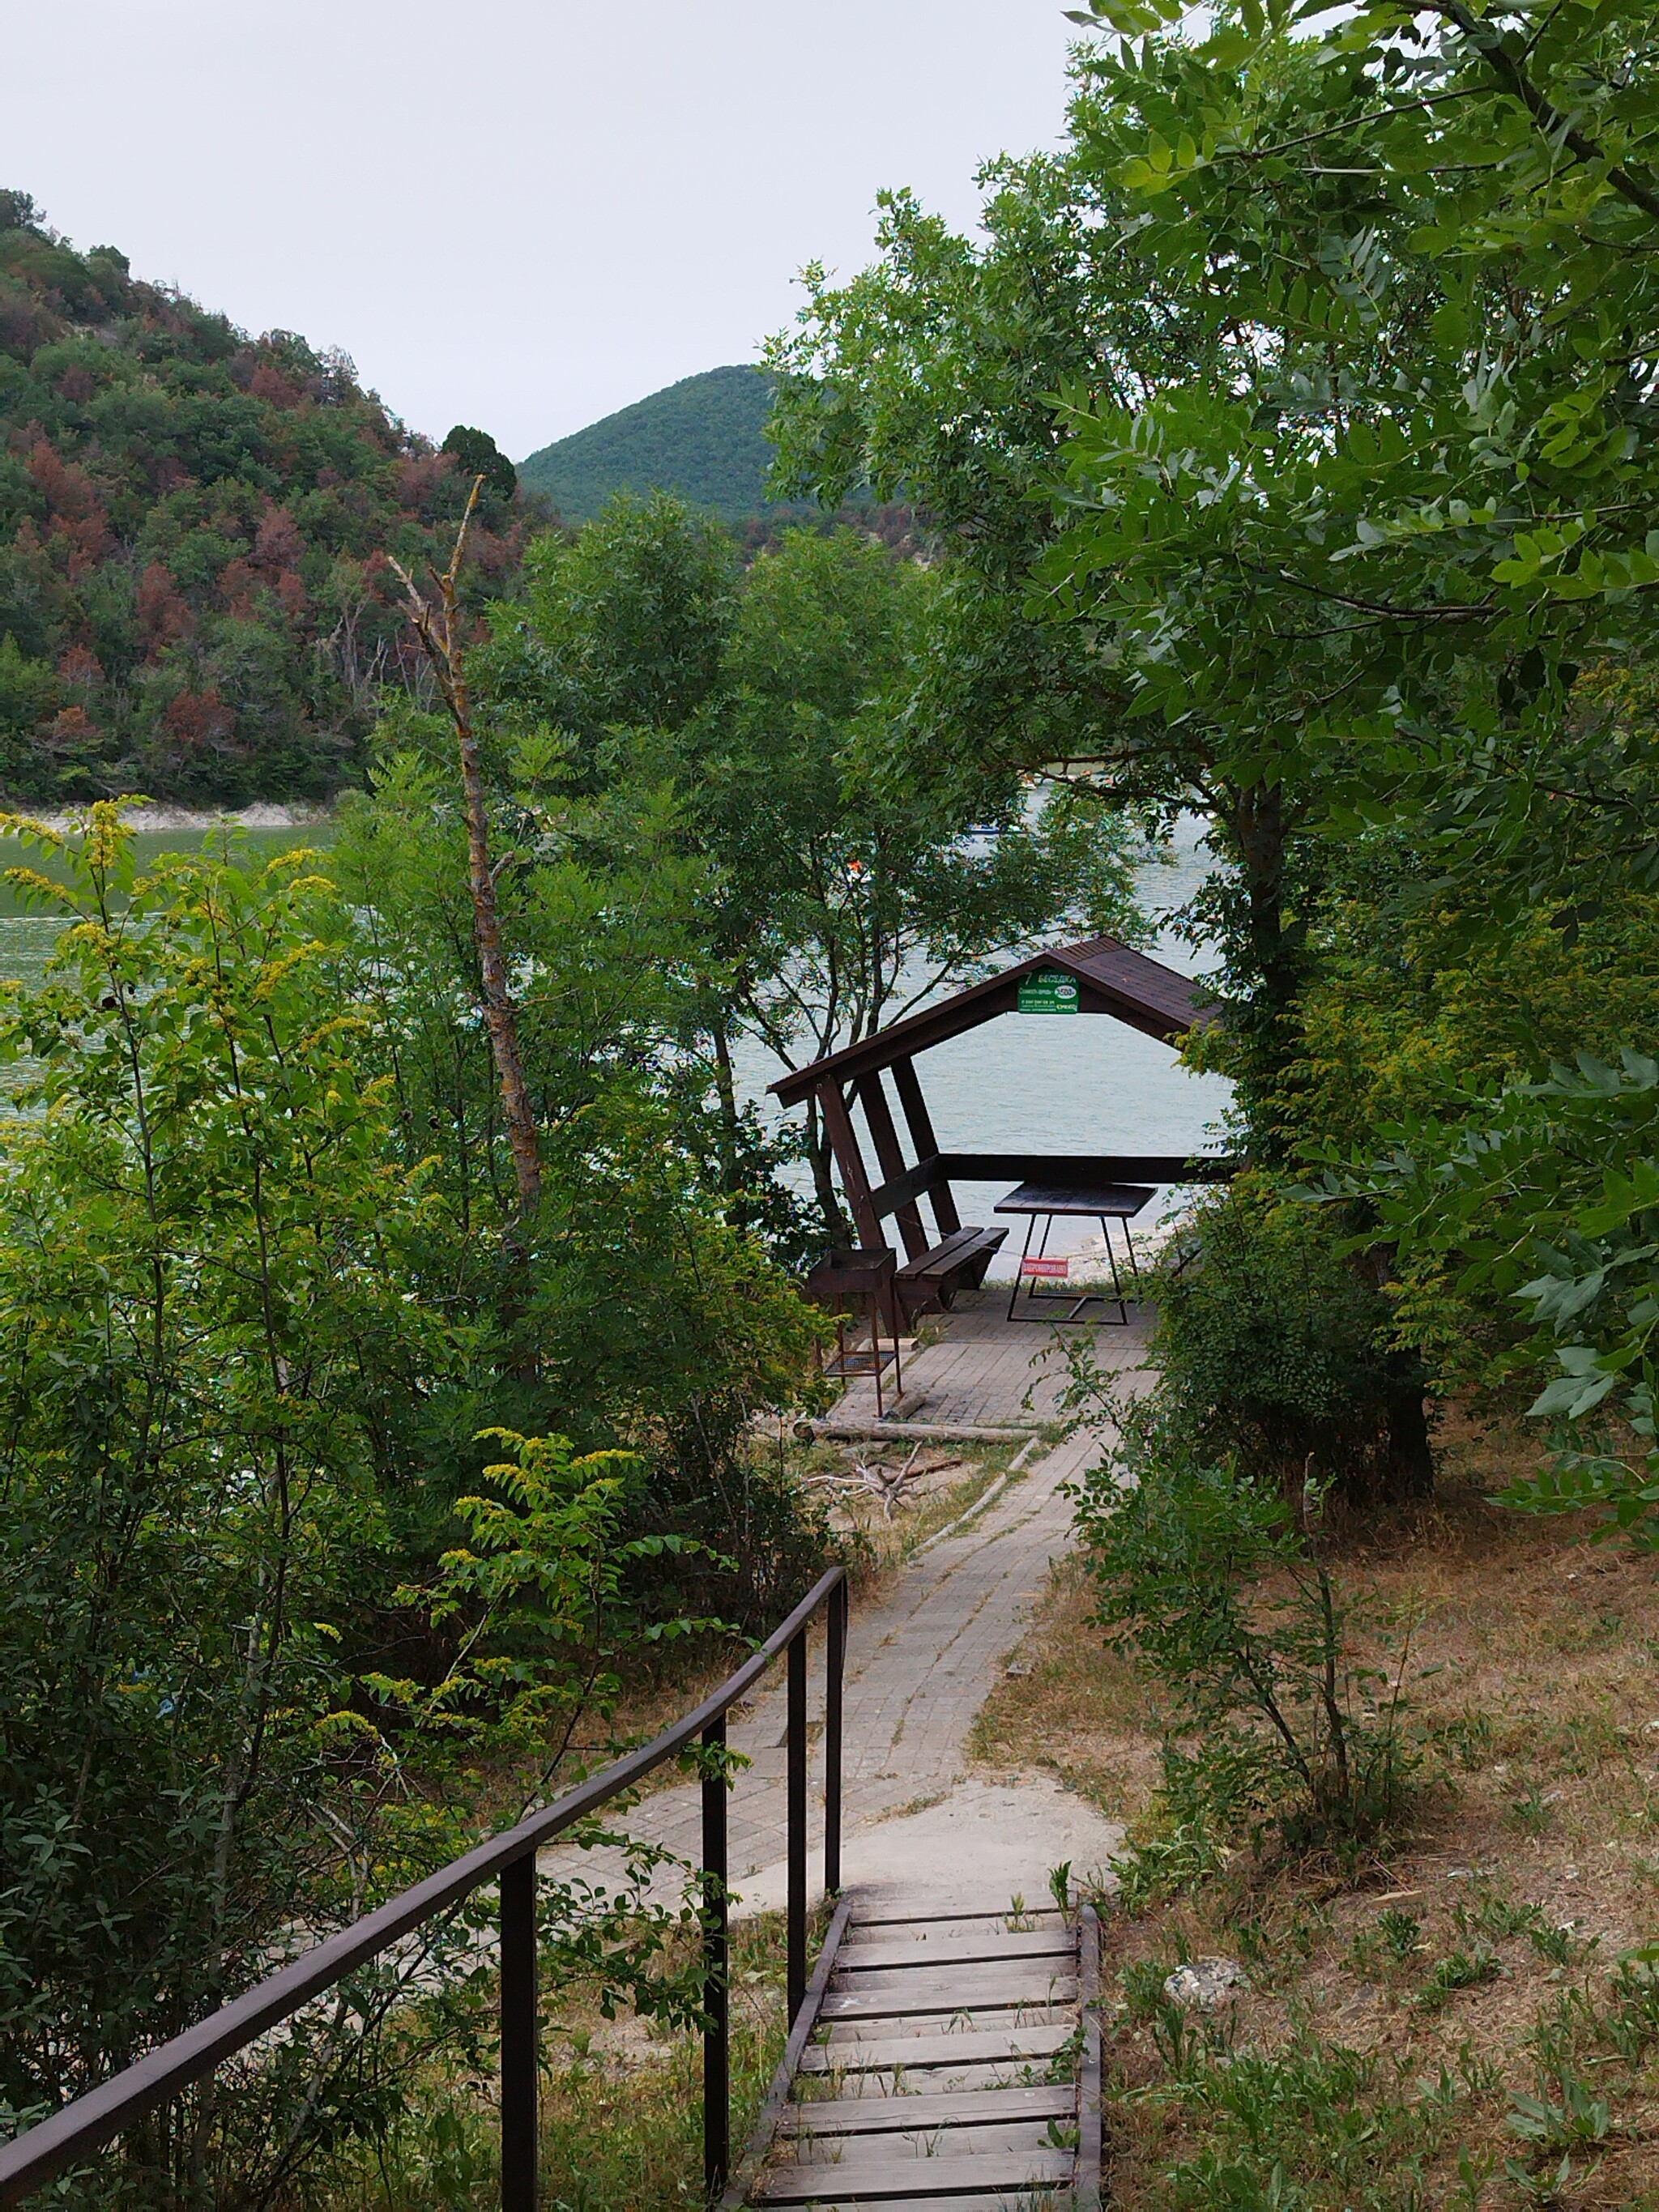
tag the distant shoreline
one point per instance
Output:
(266, 814)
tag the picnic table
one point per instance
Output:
(1046, 1202)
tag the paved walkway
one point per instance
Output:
(985, 1368)
(922, 1658)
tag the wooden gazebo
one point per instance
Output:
(1097, 976)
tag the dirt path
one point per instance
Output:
(922, 1658)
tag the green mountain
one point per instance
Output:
(195, 525)
(702, 438)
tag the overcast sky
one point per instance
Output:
(516, 214)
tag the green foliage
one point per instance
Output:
(1208, 1585)
(476, 454)
(1458, 1970)
(1549, 2125)
(1339, 524)
(1310, 2124)
(702, 439)
(937, 370)
(1156, 1866)
(656, 1323)
(845, 892)
(205, 1331)
(1551, 1198)
(1395, 1939)
(731, 732)
(628, 624)
(538, 1597)
(1274, 1348)
(194, 526)
(278, 1624)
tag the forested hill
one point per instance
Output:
(702, 438)
(195, 597)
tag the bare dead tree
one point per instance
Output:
(440, 633)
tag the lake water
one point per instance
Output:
(1031, 1083)
(1041, 1083)
(28, 935)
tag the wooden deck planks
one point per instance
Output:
(1001, 2200)
(1009, 2046)
(1012, 2139)
(937, 1927)
(980, 1371)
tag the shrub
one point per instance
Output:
(1274, 1348)
(1214, 1588)
(221, 1309)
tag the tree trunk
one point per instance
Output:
(1411, 1453)
(499, 1013)
(1267, 1027)
(727, 1091)
(824, 1181)
(440, 636)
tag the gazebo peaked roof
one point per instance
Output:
(1111, 979)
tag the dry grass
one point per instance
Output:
(1530, 1863)
(947, 1479)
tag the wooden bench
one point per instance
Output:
(928, 1283)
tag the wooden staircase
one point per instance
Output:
(948, 2060)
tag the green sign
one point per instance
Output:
(1048, 991)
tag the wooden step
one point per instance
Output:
(881, 2054)
(880, 2176)
(1022, 1976)
(914, 1996)
(889, 2081)
(1000, 2200)
(895, 1928)
(951, 1947)
(962, 2108)
(996, 2139)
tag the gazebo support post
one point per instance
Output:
(920, 1123)
(889, 1156)
(854, 1178)
(855, 1181)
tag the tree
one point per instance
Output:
(207, 1337)
(1378, 551)
(441, 637)
(658, 1322)
(180, 506)
(844, 895)
(278, 1622)
(932, 374)
(622, 628)
(1405, 548)
(476, 454)
(1295, 558)
(650, 695)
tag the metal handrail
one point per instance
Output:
(90, 2121)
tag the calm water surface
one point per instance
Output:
(26, 935)
(1043, 1083)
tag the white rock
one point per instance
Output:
(1206, 1982)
